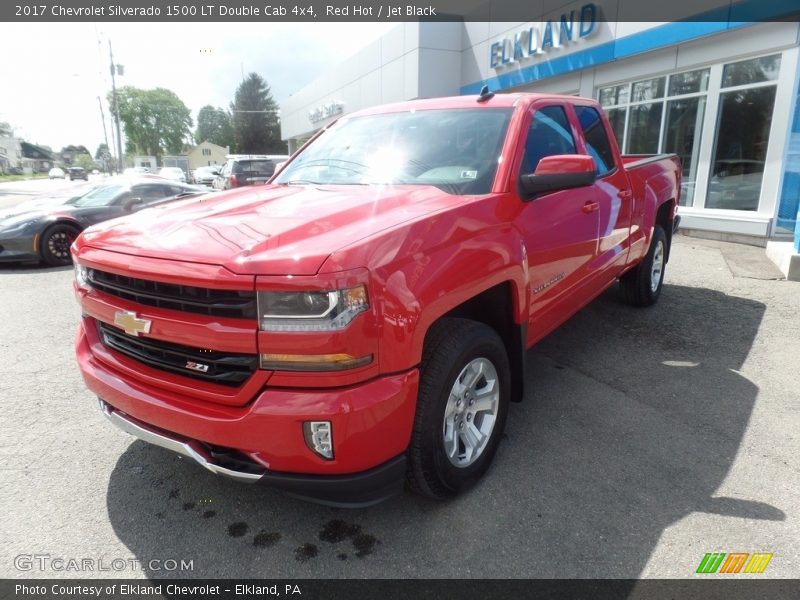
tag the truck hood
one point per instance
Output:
(266, 230)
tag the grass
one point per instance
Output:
(4, 178)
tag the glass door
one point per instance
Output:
(747, 99)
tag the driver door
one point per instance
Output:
(560, 234)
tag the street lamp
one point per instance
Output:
(114, 70)
(105, 155)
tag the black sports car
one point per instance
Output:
(41, 230)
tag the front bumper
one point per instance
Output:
(18, 247)
(263, 441)
(352, 491)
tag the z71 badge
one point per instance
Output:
(195, 366)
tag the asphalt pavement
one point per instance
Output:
(647, 438)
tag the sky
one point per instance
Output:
(52, 73)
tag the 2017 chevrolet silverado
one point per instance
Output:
(363, 318)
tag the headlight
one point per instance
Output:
(310, 311)
(82, 276)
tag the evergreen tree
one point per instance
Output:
(214, 125)
(256, 127)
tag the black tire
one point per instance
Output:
(637, 285)
(450, 346)
(55, 244)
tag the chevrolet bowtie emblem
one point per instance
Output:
(132, 324)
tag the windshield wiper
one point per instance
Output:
(301, 182)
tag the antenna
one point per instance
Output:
(485, 94)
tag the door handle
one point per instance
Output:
(625, 194)
(590, 206)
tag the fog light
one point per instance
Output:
(319, 438)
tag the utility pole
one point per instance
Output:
(105, 135)
(116, 106)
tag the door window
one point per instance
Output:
(596, 138)
(548, 135)
(150, 193)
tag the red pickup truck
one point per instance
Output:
(363, 319)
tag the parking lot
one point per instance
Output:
(647, 438)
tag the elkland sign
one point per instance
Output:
(538, 40)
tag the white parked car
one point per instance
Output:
(56, 173)
(204, 175)
(135, 171)
(174, 173)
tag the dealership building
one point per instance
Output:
(722, 95)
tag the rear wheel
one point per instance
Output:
(55, 244)
(461, 408)
(642, 285)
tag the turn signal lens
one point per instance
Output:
(312, 362)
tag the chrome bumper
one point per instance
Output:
(190, 448)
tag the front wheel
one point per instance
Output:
(461, 408)
(55, 244)
(642, 285)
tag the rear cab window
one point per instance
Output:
(262, 168)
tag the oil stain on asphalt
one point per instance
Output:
(237, 529)
(306, 552)
(336, 531)
(265, 540)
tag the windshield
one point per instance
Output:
(102, 196)
(455, 150)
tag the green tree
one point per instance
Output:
(85, 161)
(5, 129)
(156, 121)
(101, 152)
(214, 125)
(69, 153)
(256, 128)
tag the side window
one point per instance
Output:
(596, 139)
(549, 134)
(150, 193)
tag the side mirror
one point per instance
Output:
(558, 172)
(132, 204)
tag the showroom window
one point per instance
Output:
(666, 114)
(747, 99)
(661, 114)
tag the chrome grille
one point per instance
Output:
(205, 301)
